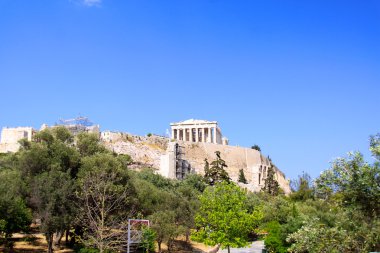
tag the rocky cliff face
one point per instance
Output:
(253, 163)
(144, 151)
(147, 152)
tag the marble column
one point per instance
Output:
(215, 135)
(196, 134)
(203, 134)
(173, 133)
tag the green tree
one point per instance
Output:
(357, 182)
(165, 227)
(158, 194)
(271, 185)
(51, 149)
(148, 239)
(185, 205)
(375, 146)
(14, 215)
(302, 188)
(125, 159)
(349, 232)
(159, 181)
(273, 241)
(195, 181)
(207, 171)
(149, 197)
(105, 202)
(215, 172)
(256, 147)
(223, 217)
(88, 144)
(52, 196)
(242, 178)
(350, 189)
(49, 166)
(62, 134)
(315, 237)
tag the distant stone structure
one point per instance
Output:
(173, 164)
(110, 136)
(10, 136)
(191, 142)
(77, 125)
(182, 158)
(193, 130)
(196, 140)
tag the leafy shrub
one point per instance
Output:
(273, 241)
(88, 250)
(148, 239)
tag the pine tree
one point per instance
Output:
(271, 185)
(242, 178)
(207, 176)
(216, 173)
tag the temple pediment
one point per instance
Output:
(194, 122)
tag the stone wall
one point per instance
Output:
(157, 152)
(9, 147)
(236, 158)
(10, 136)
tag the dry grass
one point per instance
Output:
(154, 146)
(33, 243)
(36, 243)
(181, 246)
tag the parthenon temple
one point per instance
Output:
(198, 131)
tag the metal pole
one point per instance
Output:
(129, 234)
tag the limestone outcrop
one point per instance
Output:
(144, 151)
(158, 152)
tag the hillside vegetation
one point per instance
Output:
(78, 193)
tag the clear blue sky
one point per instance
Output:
(299, 78)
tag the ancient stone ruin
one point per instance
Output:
(191, 142)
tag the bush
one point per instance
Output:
(88, 250)
(273, 241)
(148, 239)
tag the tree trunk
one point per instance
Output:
(67, 236)
(228, 247)
(215, 249)
(170, 245)
(49, 239)
(159, 246)
(9, 243)
(58, 237)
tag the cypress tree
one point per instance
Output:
(242, 178)
(271, 185)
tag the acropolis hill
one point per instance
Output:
(174, 156)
